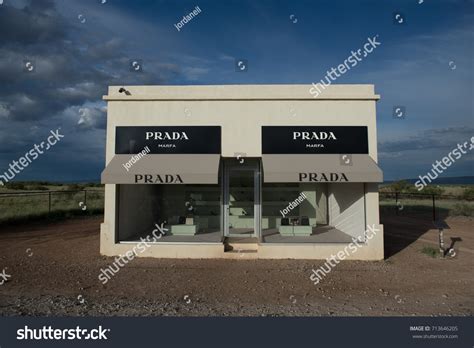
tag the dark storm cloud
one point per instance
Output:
(37, 22)
(105, 50)
(71, 68)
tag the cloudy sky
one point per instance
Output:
(78, 48)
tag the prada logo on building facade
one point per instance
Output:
(166, 136)
(168, 139)
(315, 139)
(314, 135)
(158, 179)
(323, 177)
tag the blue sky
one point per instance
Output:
(80, 47)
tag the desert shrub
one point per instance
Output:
(433, 190)
(94, 184)
(38, 187)
(401, 186)
(16, 185)
(462, 209)
(430, 251)
(75, 187)
(468, 193)
(94, 195)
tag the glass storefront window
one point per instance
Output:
(312, 212)
(285, 206)
(188, 212)
(289, 212)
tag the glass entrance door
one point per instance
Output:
(241, 197)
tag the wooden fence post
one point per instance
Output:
(396, 203)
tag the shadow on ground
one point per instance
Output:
(403, 227)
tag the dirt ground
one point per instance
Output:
(53, 269)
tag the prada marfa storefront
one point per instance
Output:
(242, 171)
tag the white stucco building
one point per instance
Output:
(242, 171)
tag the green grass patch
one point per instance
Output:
(52, 205)
(430, 251)
(453, 207)
(56, 215)
(462, 209)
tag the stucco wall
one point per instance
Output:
(347, 208)
(241, 111)
(241, 121)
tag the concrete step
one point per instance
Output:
(240, 244)
(242, 251)
(241, 254)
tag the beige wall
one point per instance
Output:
(240, 110)
(346, 202)
(241, 121)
